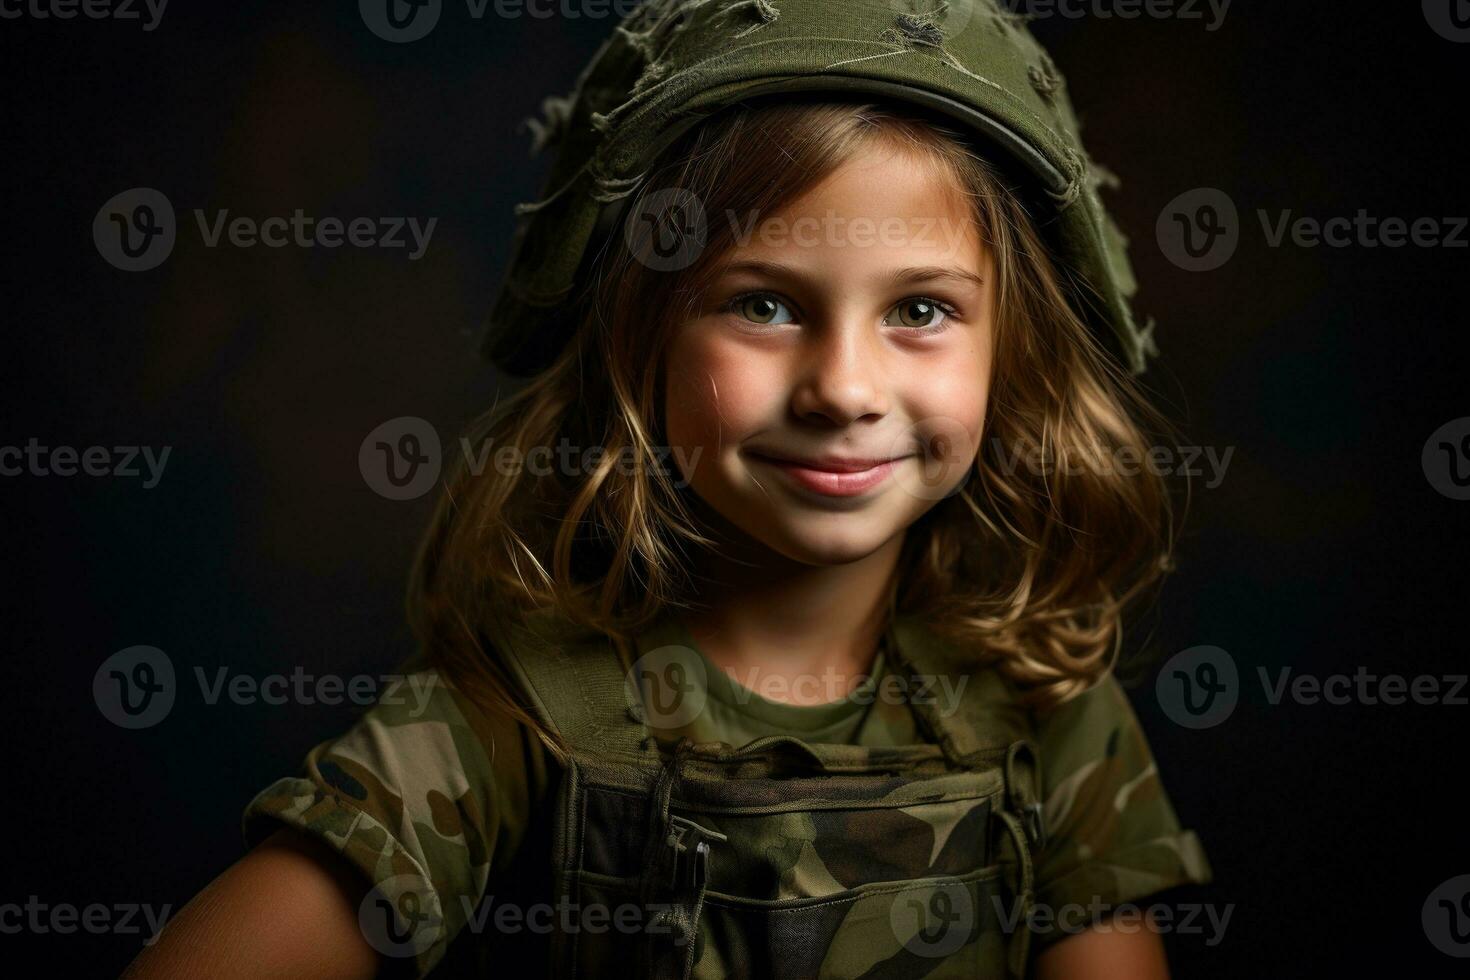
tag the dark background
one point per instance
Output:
(262, 548)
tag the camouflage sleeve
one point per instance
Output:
(427, 796)
(1112, 836)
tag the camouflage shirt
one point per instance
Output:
(429, 786)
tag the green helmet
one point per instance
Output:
(672, 63)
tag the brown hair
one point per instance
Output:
(1032, 565)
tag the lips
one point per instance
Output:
(834, 476)
(828, 463)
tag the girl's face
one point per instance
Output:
(832, 386)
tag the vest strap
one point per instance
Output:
(578, 686)
(970, 710)
(984, 724)
(1019, 945)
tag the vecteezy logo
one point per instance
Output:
(665, 688)
(1446, 917)
(935, 923)
(400, 21)
(1199, 687)
(134, 688)
(1446, 459)
(1450, 19)
(1199, 230)
(135, 230)
(941, 465)
(401, 458)
(667, 230)
(399, 916)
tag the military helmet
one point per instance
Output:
(672, 63)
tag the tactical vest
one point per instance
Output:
(782, 858)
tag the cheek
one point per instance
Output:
(957, 385)
(953, 397)
(963, 399)
(718, 392)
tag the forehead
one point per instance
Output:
(885, 206)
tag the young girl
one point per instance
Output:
(791, 654)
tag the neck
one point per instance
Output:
(815, 629)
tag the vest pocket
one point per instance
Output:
(868, 872)
(947, 926)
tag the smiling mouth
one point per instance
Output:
(833, 477)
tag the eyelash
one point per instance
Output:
(732, 305)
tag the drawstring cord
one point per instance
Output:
(658, 813)
(669, 831)
(654, 838)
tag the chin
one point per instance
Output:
(849, 538)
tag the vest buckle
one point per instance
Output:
(687, 837)
(1035, 828)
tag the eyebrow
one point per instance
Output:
(899, 277)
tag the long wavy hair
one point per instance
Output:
(1032, 563)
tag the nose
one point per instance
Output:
(841, 377)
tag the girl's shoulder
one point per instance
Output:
(426, 794)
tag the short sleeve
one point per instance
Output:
(1112, 836)
(426, 795)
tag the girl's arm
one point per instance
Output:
(288, 908)
(1112, 955)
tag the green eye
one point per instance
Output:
(915, 313)
(919, 312)
(762, 308)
